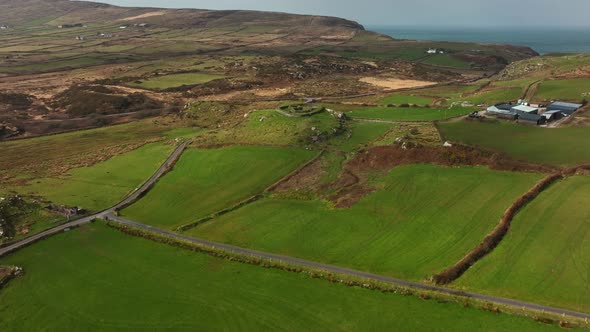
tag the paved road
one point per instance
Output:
(128, 200)
(109, 214)
(345, 271)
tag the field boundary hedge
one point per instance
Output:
(252, 199)
(353, 281)
(493, 239)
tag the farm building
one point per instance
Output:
(525, 109)
(500, 108)
(530, 118)
(552, 115)
(565, 108)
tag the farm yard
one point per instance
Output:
(202, 292)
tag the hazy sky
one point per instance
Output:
(409, 12)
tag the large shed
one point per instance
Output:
(529, 118)
(565, 108)
(525, 109)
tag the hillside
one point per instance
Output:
(66, 65)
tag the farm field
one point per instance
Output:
(175, 80)
(102, 185)
(98, 273)
(545, 258)
(53, 155)
(270, 127)
(494, 96)
(207, 181)
(398, 99)
(361, 135)
(555, 146)
(421, 219)
(574, 90)
(409, 113)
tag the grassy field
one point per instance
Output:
(545, 258)
(409, 113)
(270, 127)
(52, 155)
(573, 90)
(557, 146)
(207, 181)
(95, 278)
(494, 96)
(104, 184)
(422, 219)
(361, 135)
(175, 80)
(398, 99)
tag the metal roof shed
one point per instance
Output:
(567, 108)
(525, 109)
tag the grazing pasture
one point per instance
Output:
(101, 185)
(420, 219)
(90, 278)
(398, 99)
(174, 80)
(555, 146)
(545, 258)
(574, 90)
(409, 113)
(207, 181)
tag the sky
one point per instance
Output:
(447, 13)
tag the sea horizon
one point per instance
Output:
(542, 39)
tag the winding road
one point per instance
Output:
(110, 214)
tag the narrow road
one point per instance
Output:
(345, 271)
(99, 215)
(109, 214)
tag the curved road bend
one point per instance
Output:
(345, 271)
(84, 220)
(109, 214)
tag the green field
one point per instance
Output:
(556, 146)
(422, 219)
(545, 258)
(361, 135)
(51, 155)
(572, 90)
(97, 279)
(494, 96)
(409, 113)
(175, 80)
(207, 181)
(445, 60)
(104, 184)
(398, 99)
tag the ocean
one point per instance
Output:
(542, 40)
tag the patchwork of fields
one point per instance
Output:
(421, 219)
(98, 274)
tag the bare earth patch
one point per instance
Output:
(146, 15)
(395, 83)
